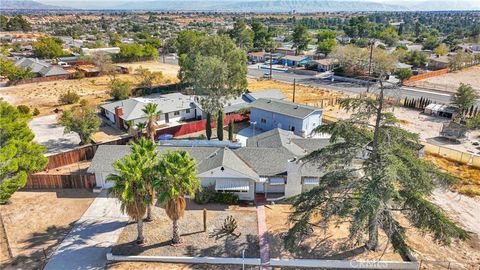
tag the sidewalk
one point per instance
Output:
(86, 245)
(263, 234)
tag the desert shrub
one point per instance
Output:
(209, 194)
(35, 112)
(205, 195)
(23, 109)
(120, 89)
(83, 102)
(225, 198)
(69, 97)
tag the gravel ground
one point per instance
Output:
(195, 242)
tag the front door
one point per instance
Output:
(259, 188)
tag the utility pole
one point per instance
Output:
(294, 82)
(271, 63)
(371, 43)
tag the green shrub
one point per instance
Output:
(209, 194)
(205, 195)
(225, 198)
(23, 109)
(69, 97)
(35, 112)
(120, 89)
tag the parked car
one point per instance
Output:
(267, 76)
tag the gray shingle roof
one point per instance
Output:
(276, 138)
(271, 93)
(39, 66)
(207, 158)
(266, 161)
(132, 108)
(310, 145)
(284, 107)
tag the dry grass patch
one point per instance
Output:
(469, 176)
(37, 221)
(303, 94)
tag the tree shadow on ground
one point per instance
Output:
(324, 248)
(229, 247)
(39, 246)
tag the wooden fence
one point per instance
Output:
(426, 75)
(57, 181)
(79, 154)
(200, 125)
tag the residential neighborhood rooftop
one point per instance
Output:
(285, 107)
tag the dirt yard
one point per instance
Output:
(37, 221)
(44, 95)
(305, 95)
(451, 81)
(174, 266)
(196, 242)
(330, 243)
(168, 70)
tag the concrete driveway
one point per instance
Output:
(50, 134)
(92, 237)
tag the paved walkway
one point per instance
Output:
(87, 244)
(262, 232)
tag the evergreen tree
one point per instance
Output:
(208, 126)
(230, 130)
(220, 125)
(464, 98)
(371, 175)
(19, 155)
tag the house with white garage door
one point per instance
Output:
(268, 168)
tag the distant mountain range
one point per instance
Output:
(249, 5)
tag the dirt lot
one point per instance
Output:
(305, 95)
(168, 70)
(44, 95)
(329, 243)
(37, 221)
(451, 81)
(196, 242)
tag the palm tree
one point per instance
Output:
(147, 150)
(178, 178)
(140, 127)
(130, 189)
(153, 115)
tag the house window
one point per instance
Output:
(314, 181)
(277, 181)
(263, 121)
(176, 113)
(187, 111)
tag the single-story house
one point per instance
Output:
(323, 65)
(438, 62)
(270, 170)
(257, 57)
(268, 114)
(174, 107)
(295, 60)
(112, 50)
(42, 68)
(285, 50)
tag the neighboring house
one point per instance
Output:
(41, 68)
(285, 50)
(233, 105)
(438, 62)
(270, 170)
(323, 65)
(273, 113)
(295, 60)
(174, 107)
(112, 50)
(257, 57)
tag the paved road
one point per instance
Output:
(350, 87)
(93, 235)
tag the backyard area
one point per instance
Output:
(37, 221)
(451, 81)
(196, 242)
(44, 95)
(332, 242)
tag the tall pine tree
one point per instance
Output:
(372, 174)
